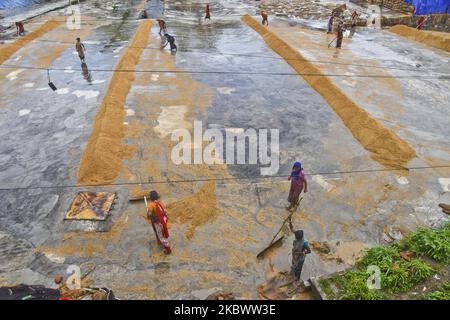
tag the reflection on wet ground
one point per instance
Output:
(85, 72)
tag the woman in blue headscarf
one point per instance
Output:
(298, 184)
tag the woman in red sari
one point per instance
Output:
(158, 216)
(298, 184)
(421, 23)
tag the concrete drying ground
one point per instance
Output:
(45, 133)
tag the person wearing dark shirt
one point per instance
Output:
(300, 248)
(20, 28)
(340, 35)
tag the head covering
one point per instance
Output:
(297, 165)
(299, 235)
(154, 195)
(296, 169)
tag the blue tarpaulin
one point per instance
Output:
(11, 4)
(430, 6)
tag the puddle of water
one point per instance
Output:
(323, 183)
(87, 94)
(98, 81)
(226, 90)
(54, 258)
(401, 180)
(92, 42)
(349, 83)
(68, 70)
(445, 184)
(62, 91)
(24, 112)
(13, 75)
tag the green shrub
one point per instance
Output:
(354, 287)
(418, 270)
(396, 279)
(383, 257)
(398, 275)
(326, 287)
(442, 294)
(432, 243)
(437, 295)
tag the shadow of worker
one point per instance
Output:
(86, 73)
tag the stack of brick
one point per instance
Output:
(397, 5)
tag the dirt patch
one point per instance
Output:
(87, 244)
(87, 250)
(347, 252)
(197, 209)
(7, 51)
(440, 40)
(141, 290)
(282, 286)
(102, 159)
(321, 247)
(385, 146)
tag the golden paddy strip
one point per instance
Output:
(102, 159)
(385, 146)
(7, 51)
(440, 40)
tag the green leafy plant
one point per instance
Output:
(432, 243)
(383, 257)
(418, 270)
(396, 279)
(396, 274)
(354, 287)
(442, 294)
(326, 287)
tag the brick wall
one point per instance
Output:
(397, 5)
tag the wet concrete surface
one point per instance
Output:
(398, 89)
(45, 134)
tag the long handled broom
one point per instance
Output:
(278, 241)
(331, 42)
